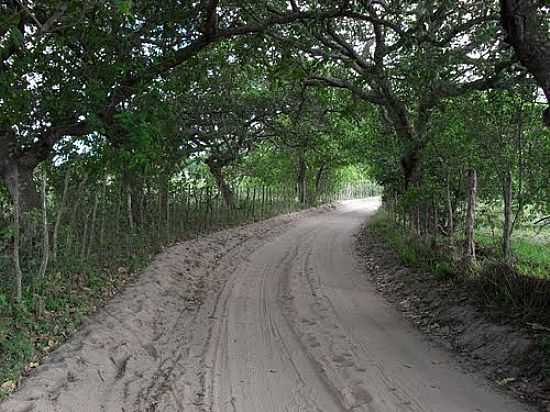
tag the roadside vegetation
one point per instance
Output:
(128, 126)
(483, 211)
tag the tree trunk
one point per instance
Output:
(165, 202)
(46, 232)
(450, 216)
(301, 179)
(469, 245)
(130, 209)
(508, 219)
(527, 32)
(16, 172)
(417, 221)
(60, 211)
(410, 165)
(137, 190)
(16, 248)
(223, 187)
(93, 225)
(164, 205)
(318, 180)
(134, 186)
(71, 233)
(435, 222)
(19, 181)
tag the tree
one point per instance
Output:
(76, 67)
(527, 30)
(406, 58)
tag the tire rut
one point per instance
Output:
(271, 317)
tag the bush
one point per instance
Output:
(502, 284)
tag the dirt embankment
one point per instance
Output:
(487, 340)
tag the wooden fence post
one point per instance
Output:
(469, 243)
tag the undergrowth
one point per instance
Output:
(51, 310)
(517, 290)
(418, 253)
(520, 287)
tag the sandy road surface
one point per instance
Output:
(270, 317)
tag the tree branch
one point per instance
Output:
(344, 84)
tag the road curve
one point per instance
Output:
(300, 329)
(287, 323)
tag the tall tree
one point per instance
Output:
(406, 58)
(68, 68)
(527, 26)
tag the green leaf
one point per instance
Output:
(125, 6)
(16, 36)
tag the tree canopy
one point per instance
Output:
(175, 103)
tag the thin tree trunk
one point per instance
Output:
(164, 205)
(318, 180)
(419, 220)
(45, 240)
(301, 179)
(223, 187)
(92, 227)
(104, 206)
(450, 214)
(469, 243)
(167, 214)
(507, 228)
(19, 181)
(254, 205)
(16, 245)
(262, 209)
(119, 203)
(130, 209)
(142, 207)
(84, 239)
(74, 211)
(60, 211)
(435, 222)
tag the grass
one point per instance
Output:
(531, 252)
(413, 252)
(533, 259)
(519, 291)
(51, 311)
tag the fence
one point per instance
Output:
(103, 226)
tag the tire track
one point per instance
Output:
(270, 317)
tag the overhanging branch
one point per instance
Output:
(345, 84)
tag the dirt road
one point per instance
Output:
(274, 316)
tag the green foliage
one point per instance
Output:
(124, 6)
(167, 121)
(93, 264)
(413, 252)
(531, 257)
(522, 288)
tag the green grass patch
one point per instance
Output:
(532, 258)
(413, 252)
(531, 253)
(51, 311)
(517, 291)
